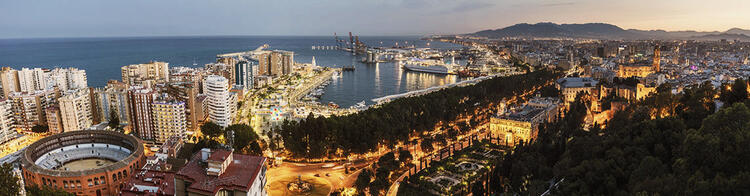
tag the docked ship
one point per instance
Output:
(428, 66)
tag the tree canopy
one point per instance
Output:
(666, 144)
(8, 182)
(394, 122)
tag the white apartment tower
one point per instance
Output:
(216, 89)
(75, 109)
(7, 131)
(145, 74)
(31, 80)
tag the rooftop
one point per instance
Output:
(149, 182)
(239, 174)
(577, 82)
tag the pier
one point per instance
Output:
(390, 98)
(295, 96)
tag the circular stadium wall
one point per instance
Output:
(88, 162)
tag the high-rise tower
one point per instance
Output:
(657, 59)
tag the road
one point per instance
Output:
(331, 172)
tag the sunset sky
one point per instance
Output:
(95, 18)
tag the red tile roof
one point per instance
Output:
(239, 175)
(219, 155)
(163, 181)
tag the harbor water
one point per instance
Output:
(103, 57)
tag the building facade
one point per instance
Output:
(570, 87)
(113, 99)
(187, 92)
(244, 73)
(216, 89)
(140, 101)
(7, 126)
(28, 107)
(145, 74)
(75, 109)
(169, 119)
(54, 119)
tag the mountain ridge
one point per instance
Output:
(604, 31)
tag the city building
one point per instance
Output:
(58, 161)
(244, 74)
(169, 118)
(187, 92)
(220, 69)
(642, 69)
(140, 102)
(275, 63)
(67, 79)
(75, 109)
(28, 107)
(113, 99)
(634, 70)
(172, 146)
(155, 178)
(31, 80)
(221, 172)
(146, 74)
(7, 126)
(231, 63)
(9, 81)
(216, 89)
(54, 119)
(571, 86)
(522, 124)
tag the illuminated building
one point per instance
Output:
(571, 86)
(28, 107)
(75, 109)
(54, 119)
(86, 162)
(169, 119)
(221, 172)
(140, 100)
(218, 98)
(7, 130)
(634, 70)
(631, 92)
(641, 70)
(145, 74)
(522, 124)
(187, 92)
(657, 59)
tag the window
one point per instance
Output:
(65, 183)
(90, 183)
(96, 180)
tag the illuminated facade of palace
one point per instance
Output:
(523, 124)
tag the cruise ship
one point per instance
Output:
(427, 66)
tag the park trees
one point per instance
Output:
(8, 182)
